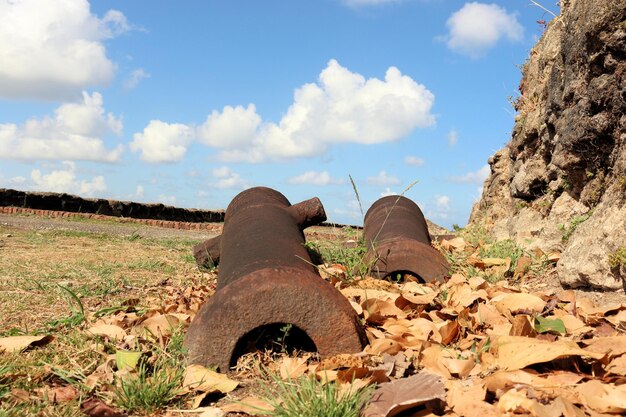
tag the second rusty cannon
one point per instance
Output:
(398, 242)
(266, 279)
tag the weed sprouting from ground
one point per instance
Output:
(481, 244)
(308, 397)
(503, 249)
(351, 256)
(618, 258)
(148, 390)
(154, 385)
(569, 230)
(77, 311)
(4, 382)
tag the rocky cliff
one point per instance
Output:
(560, 184)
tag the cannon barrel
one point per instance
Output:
(397, 238)
(306, 213)
(266, 278)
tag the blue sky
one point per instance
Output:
(189, 102)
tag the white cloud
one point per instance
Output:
(73, 133)
(65, 181)
(442, 202)
(383, 179)
(167, 199)
(139, 191)
(52, 49)
(388, 192)
(453, 138)
(479, 193)
(351, 209)
(162, 142)
(234, 127)
(11, 182)
(414, 161)
(225, 178)
(475, 177)
(134, 78)
(477, 27)
(442, 208)
(314, 178)
(343, 107)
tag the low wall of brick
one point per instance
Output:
(64, 205)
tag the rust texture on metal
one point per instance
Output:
(306, 213)
(398, 241)
(266, 277)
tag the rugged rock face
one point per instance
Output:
(560, 184)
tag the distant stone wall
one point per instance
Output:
(55, 202)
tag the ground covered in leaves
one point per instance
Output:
(92, 324)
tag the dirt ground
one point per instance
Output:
(54, 270)
(547, 283)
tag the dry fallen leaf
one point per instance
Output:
(111, 331)
(344, 360)
(211, 412)
(515, 401)
(249, 405)
(391, 398)
(380, 346)
(604, 398)
(57, 395)
(20, 343)
(517, 352)
(292, 367)
(456, 244)
(158, 325)
(518, 302)
(469, 400)
(93, 407)
(199, 378)
(614, 346)
(617, 366)
(522, 265)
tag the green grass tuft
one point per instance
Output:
(618, 258)
(308, 397)
(156, 385)
(569, 230)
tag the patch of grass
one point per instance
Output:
(308, 397)
(154, 385)
(77, 312)
(476, 235)
(618, 258)
(503, 249)
(150, 389)
(154, 265)
(103, 270)
(4, 380)
(351, 257)
(65, 361)
(42, 408)
(569, 230)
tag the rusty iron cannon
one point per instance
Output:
(306, 213)
(398, 242)
(266, 281)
